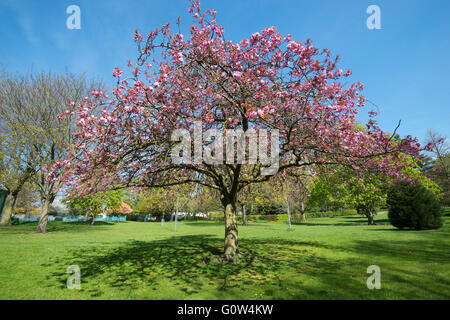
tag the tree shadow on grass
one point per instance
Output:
(280, 268)
(77, 226)
(203, 223)
(427, 250)
(26, 227)
(190, 264)
(400, 254)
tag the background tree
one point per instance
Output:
(341, 188)
(155, 202)
(366, 194)
(117, 203)
(327, 193)
(180, 195)
(27, 199)
(36, 134)
(295, 191)
(204, 200)
(18, 155)
(49, 100)
(245, 197)
(91, 205)
(98, 203)
(437, 166)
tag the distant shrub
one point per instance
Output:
(413, 206)
(268, 209)
(268, 217)
(317, 214)
(216, 216)
(337, 213)
(296, 218)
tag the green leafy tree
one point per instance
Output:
(155, 202)
(95, 204)
(91, 205)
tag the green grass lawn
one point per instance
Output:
(325, 258)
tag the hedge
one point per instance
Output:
(218, 216)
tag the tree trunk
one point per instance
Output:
(244, 216)
(289, 215)
(118, 218)
(42, 225)
(7, 210)
(93, 220)
(370, 215)
(303, 216)
(176, 219)
(231, 232)
(302, 211)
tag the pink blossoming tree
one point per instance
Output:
(267, 81)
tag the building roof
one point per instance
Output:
(124, 208)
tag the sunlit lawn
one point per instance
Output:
(326, 258)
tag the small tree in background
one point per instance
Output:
(90, 205)
(124, 209)
(414, 206)
(246, 196)
(204, 201)
(154, 202)
(117, 204)
(436, 164)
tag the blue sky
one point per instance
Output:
(404, 66)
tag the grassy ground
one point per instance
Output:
(325, 258)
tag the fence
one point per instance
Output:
(30, 218)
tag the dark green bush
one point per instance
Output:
(413, 206)
(269, 209)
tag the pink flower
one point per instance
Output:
(237, 74)
(252, 114)
(117, 73)
(244, 43)
(209, 118)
